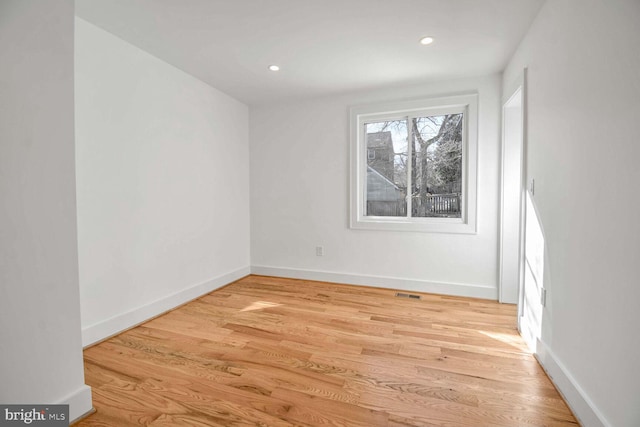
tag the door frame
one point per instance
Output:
(516, 89)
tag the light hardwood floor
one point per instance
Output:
(279, 352)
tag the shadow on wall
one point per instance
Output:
(533, 286)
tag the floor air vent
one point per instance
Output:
(403, 295)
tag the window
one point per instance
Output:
(422, 173)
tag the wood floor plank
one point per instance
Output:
(267, 351)
(313, 410)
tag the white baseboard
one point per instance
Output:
(109, 327)
(465, 290)
(582, 406)
(79, 403)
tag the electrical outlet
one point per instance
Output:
(319, 251)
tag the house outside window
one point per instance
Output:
(422, 173)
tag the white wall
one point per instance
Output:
(583, 60)
(40, 346)
(300, 199)
(163, 184)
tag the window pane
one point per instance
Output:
(386, 168)
(436, 162)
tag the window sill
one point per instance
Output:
(427, 225)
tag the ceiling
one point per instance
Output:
(322, 46)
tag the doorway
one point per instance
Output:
(522, 241)
(512, 199)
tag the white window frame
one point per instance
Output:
(360, 115)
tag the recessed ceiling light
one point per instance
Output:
(426, 40)
(274, 68)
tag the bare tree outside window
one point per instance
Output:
(436, 166)
(414, 165)
(419, 156)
